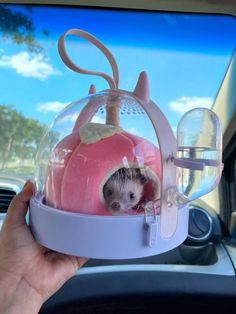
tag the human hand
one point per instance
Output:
(29, 273)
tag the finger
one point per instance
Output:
(76, 261)
(65, 266)
(80, 261)
(18, 208)
(61, 267)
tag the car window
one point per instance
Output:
(185, 55)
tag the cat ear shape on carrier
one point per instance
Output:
(102, 191)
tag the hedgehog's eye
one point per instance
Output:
(131, 195)
(109, 192)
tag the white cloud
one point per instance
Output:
(97, 119)
(51, 106)
(185, 103)
(69, 118)
(133, 131)
(73, 117)
(29, 65)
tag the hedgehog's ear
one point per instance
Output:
(92, 89)
(142, 87)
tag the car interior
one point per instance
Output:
(198, 275)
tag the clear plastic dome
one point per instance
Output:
(102, 181)
(100, 156)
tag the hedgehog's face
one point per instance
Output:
(122, 195)
(121, 198)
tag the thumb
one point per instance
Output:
(18, 208)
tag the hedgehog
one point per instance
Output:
(124, 190)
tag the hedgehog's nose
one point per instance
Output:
(115, 206)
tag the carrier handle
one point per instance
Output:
(113, 82)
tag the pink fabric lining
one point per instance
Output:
(76, 170)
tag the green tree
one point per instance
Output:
(20, 135)
(19, 27)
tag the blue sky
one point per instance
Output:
(185, 56)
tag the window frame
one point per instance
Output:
(195, 6)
